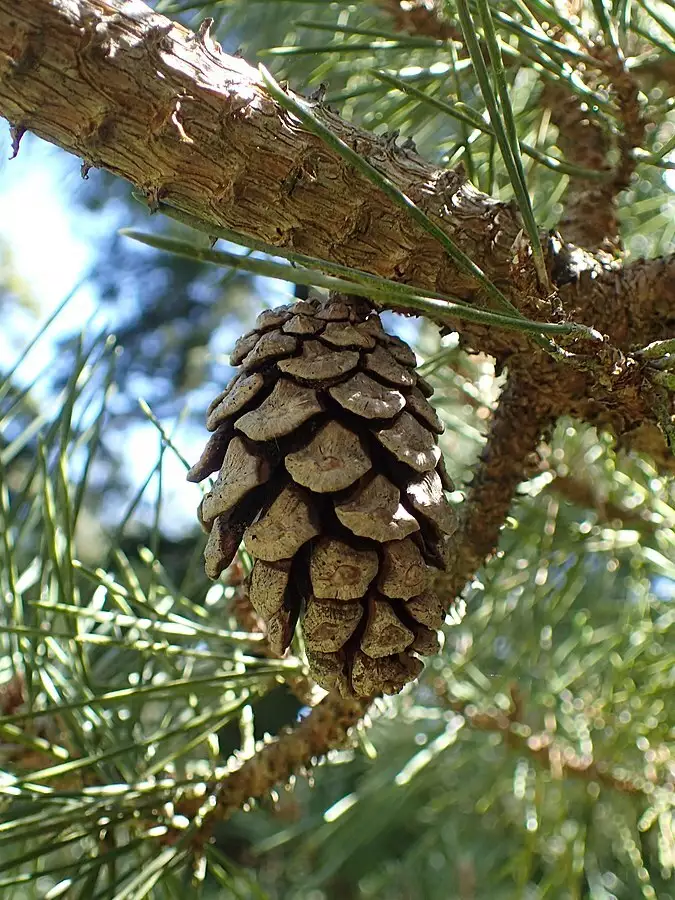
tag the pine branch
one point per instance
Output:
(522, 415)
(206, 138)
(325, 728)
(589, 217)
(548, 752)
(582, 493)
(625, 88)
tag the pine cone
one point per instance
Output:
(330, 472)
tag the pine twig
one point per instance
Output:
(545, 750)
(590, 218)
(581, 493)
(523, 413)
(325, 728)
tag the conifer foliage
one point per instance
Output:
(431, 651)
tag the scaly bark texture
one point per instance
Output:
(590, 216)
(521, 417)
(589, 219)
(326, 727)
(128, 90)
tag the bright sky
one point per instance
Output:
(51, 251)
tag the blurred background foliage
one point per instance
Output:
(536, 756)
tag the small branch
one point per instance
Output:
(582, 493)
(590, 219)
(590, 216)
(522, 414)
(325, 728)
(626, 91)
(560, 759)
(631, 302)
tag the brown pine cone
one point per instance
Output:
(330, 472)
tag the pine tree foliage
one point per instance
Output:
(153, 744)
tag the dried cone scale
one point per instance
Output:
(329, 470)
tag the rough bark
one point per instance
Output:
(127, 90)
(590, 210)
(325, 728)
(521, 417)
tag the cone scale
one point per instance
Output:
(329, 472)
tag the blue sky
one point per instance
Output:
(51, 250)
(48, 246)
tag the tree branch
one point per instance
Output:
(582, 493)
(523, 412)
(590, 219)
(325, 728)
(165, 109)
(127, 90)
